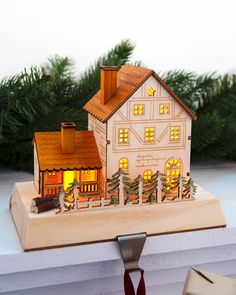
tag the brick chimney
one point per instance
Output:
(68, 137)
(108, 83)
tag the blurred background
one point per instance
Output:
(51, 52)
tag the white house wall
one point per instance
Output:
(140, 154)
(99, 130)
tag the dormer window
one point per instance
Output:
(164, 108)
(138, 109)
(123, 135)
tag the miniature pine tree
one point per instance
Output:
(165, 187)
(114, 200)
(137, 187)
(127, 185)
(113, 186)
(71, 195)
(189, 188)
(150, 188)
(116, 185)
(174, 187)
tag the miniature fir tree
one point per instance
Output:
(117, 184)
(150, 188)
(171, 188)
(189, 188)
(71, 196)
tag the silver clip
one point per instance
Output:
(131, 247)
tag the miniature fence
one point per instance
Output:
(146, 192)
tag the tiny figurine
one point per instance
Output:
(134, 158)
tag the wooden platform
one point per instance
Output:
(46, 230)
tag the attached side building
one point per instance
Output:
(61, 157)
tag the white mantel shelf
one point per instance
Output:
(97, 268)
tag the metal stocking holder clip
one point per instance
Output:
(131, 247)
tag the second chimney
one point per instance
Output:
(108, 83)
(68, 137)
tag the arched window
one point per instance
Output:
(173, 169)
(147, 175)
(123, 163)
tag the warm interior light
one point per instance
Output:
(173, 169)
(123, 135)
(149, 134)
(138, 109)
(88, 175)
(53, 177)
(124, 163)
(68, 178)
(164, 108)
(175, 133)
(147, 175)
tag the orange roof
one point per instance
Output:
(48, 145)
(129, 79)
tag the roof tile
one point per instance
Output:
(48, 145)
(129, 79)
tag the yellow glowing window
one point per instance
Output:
(173, 170)
(149, 134)
(147, 175)
(174, 133)
(68, 179)
(123, 135)
(53, 178)
(123, 163)
(164, 108)
(88, 175)
(138, 109)
(87, 188)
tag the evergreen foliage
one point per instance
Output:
(40, 98)
(150, 188)
(213, 98)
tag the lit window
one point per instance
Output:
(88, 175)
(147, 175)
(174, 133)
(173, 170)
(88, 188)
(124, 163)
(149, 134)
(164, 108)
(138, 109)
(69, 177)
(53, 178)
(123, 135)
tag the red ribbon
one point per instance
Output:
(129, 287)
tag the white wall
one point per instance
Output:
(141, 155)
(196, 35)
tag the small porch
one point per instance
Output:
(88, 182)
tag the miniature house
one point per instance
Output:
(119, 177)
(61, 157)
(139, 124)
(136, 123)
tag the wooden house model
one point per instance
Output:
(135, 153)
(136, 123)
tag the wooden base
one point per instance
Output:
(46, 230)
